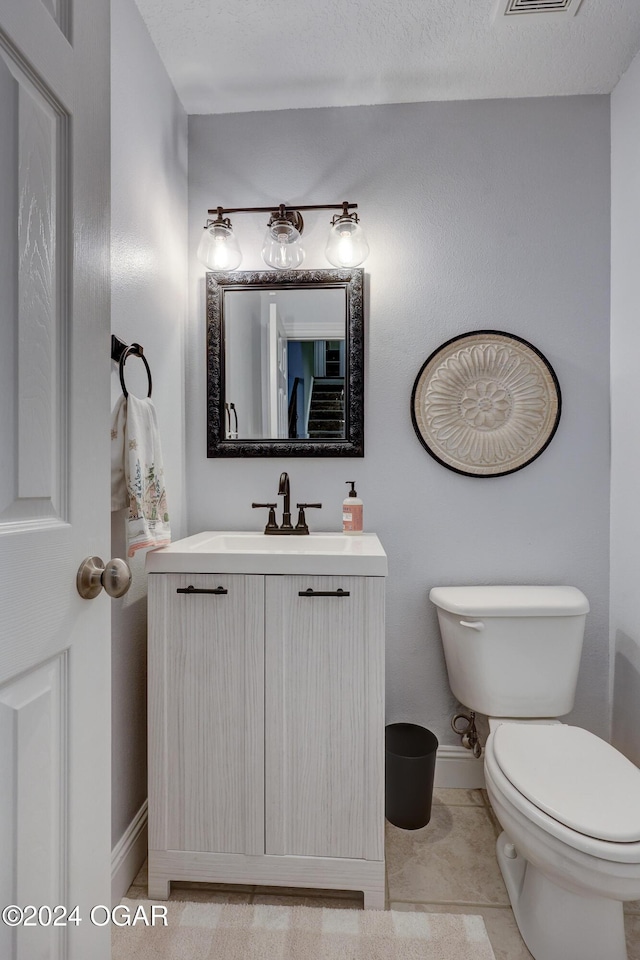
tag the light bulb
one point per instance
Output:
(347, 245)
(218, 248)
(281, 248)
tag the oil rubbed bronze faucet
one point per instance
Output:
(286, 526)
(285, 491)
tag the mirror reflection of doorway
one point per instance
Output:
(285, 363)
(316, 380)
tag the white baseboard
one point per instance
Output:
(128, 855)
(457, 767)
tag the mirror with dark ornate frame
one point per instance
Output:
(285, 363)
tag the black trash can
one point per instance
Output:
(410, 769)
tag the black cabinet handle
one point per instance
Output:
(191, 589)
(324, 593)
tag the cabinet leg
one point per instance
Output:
(374, 899)
(159, 889)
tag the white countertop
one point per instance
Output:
(241, 551)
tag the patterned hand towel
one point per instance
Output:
(137, 475)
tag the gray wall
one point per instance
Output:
(149, 292)
(484, 214)
(625, 458)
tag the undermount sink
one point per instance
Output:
(226, 551)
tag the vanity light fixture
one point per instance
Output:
(282, 248)
(218, 248)
(346, 247)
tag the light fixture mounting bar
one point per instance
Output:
(219, 211)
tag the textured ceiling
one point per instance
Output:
(228, 56)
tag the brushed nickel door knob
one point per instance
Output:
(93, 575)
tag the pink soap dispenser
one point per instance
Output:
(352, 511)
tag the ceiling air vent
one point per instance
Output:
(547, 9)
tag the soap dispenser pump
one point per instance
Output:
(352, 511)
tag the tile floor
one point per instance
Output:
(447, 867)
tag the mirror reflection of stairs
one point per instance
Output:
(326, 412)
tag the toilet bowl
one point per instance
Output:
(566, 886)
(567, 801)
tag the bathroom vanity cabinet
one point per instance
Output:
(266, 731)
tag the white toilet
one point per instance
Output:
(568, 802)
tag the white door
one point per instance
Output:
(54, 474)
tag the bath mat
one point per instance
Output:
(231, 931)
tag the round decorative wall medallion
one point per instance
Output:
(486, 403)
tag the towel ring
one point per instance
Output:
(133, 350)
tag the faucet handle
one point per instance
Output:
(271, 522)
(301, 525)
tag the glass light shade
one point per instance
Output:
(347, 245)
(218, 248)
(281, 248)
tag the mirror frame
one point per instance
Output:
(352, 281)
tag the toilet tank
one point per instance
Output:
(512, 651)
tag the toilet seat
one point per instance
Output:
(497, 782)
(573, 776)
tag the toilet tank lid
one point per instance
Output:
(511, 601)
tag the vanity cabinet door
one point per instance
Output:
(324, 717)
(206, 713)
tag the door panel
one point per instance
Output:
(32, 836)
(33, 157)
(324, 717)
